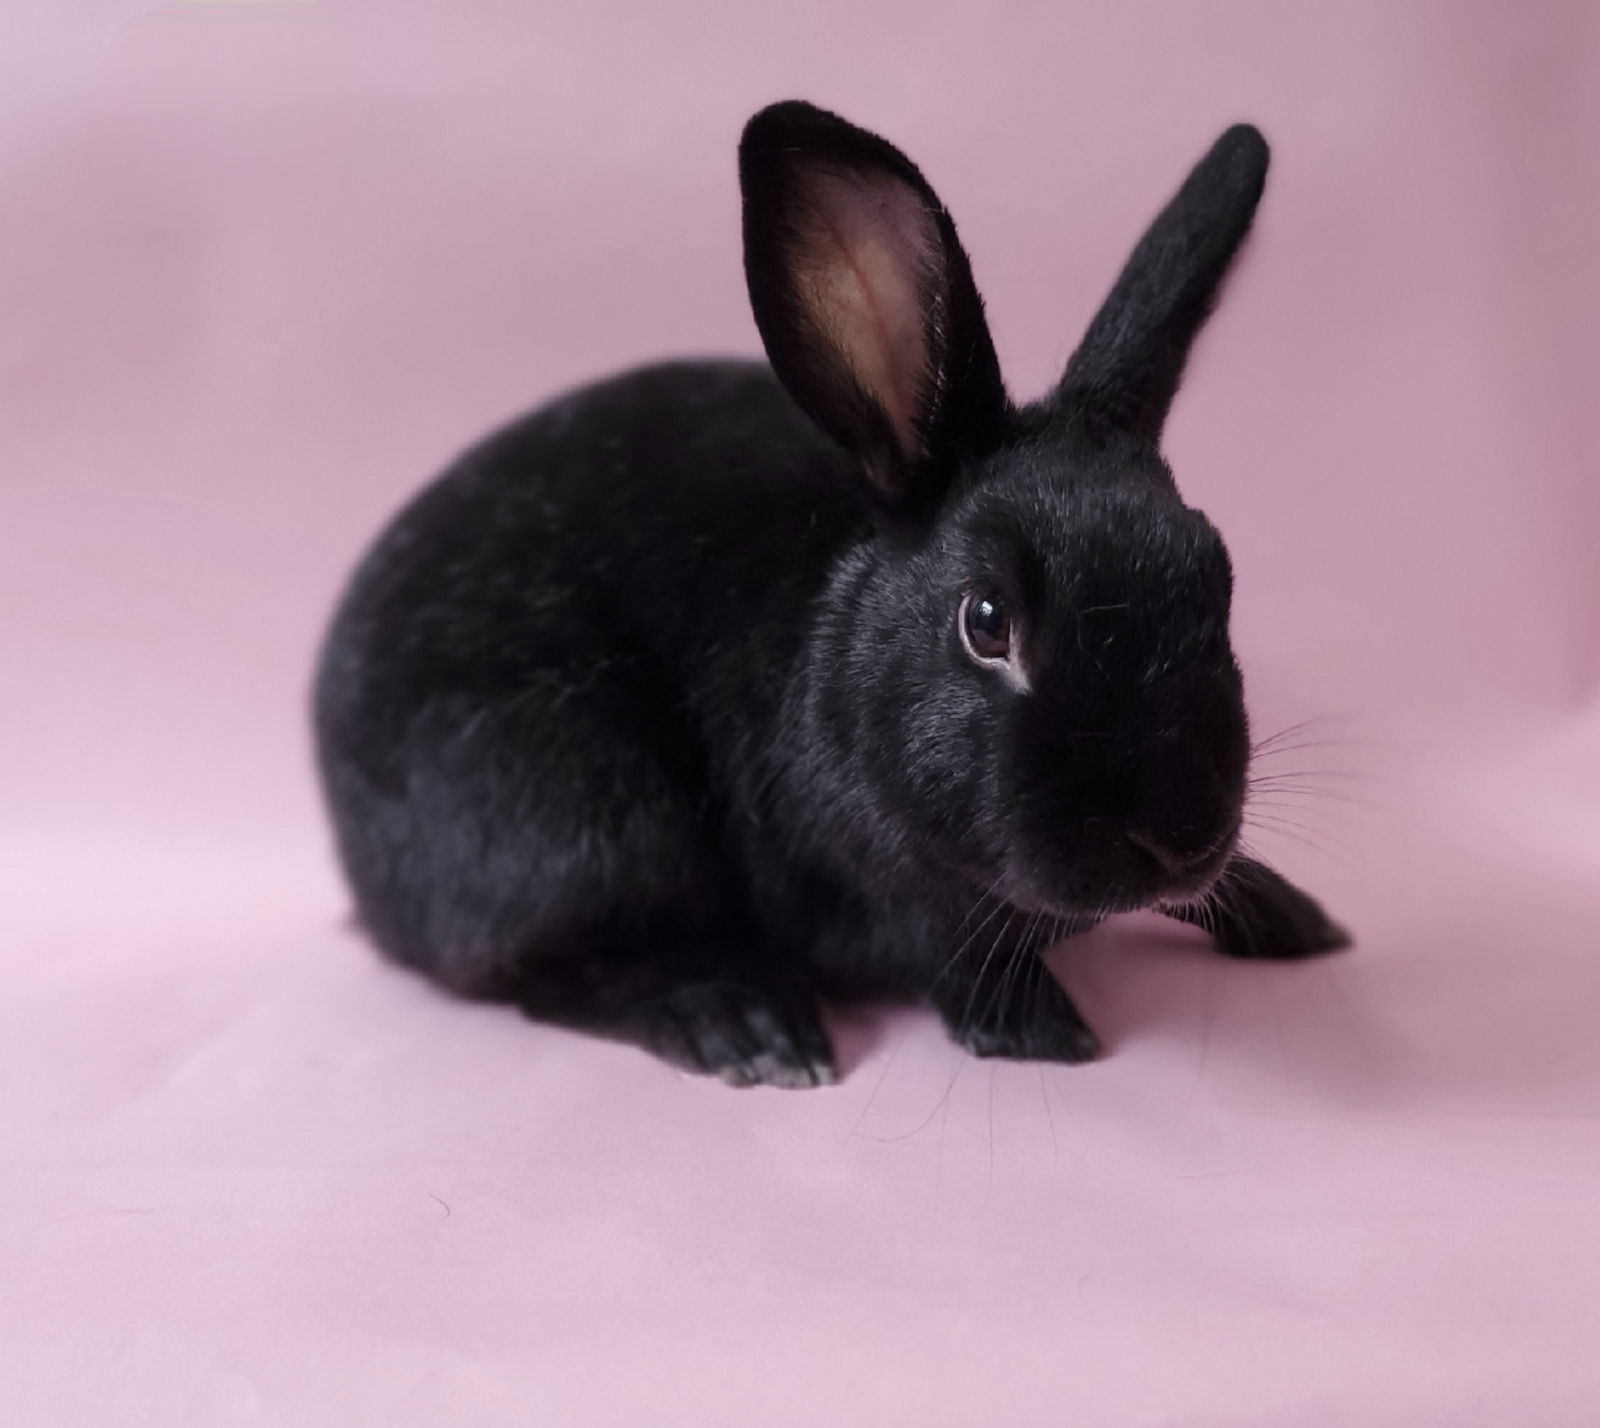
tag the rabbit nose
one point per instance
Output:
(1168, 863)
(1165, 861)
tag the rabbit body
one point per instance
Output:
(708, 693)
(566, 704)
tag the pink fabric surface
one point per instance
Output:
(264, 266)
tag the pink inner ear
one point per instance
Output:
(869, 255)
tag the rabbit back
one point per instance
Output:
(556, 666)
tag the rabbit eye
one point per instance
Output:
(985, 627)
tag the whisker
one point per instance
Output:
(983, 970)
(1327, 795)
(1283, 814)
(1306, 840)
(941, 1104)
(1289, 730)
(965, 944)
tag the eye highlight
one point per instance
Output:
(985, 625)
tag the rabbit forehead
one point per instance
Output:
(1070, 532)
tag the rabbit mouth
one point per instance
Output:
(1192, 880)
(1129, 872)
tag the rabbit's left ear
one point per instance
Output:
(865, 300)
(1126, 370)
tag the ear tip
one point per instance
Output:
(793, 134)
(1244, 146)
(782, 122)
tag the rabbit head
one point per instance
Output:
(1027, 667)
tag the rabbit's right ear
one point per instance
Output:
(865, 301)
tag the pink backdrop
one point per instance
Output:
(264, 266)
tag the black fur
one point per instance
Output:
(652, 714)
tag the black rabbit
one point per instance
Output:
(711, 692)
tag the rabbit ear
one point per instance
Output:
(865, 300)
(1126, 370)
